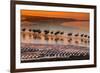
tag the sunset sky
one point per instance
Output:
(75, 15)
(79, 20)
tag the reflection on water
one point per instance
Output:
(35, 38)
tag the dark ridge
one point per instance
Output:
(41, 19)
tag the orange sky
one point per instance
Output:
(76, 15)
